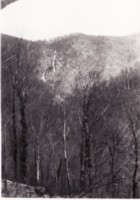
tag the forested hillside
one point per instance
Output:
(71, 116)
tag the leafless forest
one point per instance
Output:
(71, 117)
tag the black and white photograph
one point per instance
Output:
(70, 98)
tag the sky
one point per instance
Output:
(47, 19)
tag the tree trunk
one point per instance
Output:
(82, 167)
(134, 181)
(35, 163)
(85, 155)
(14, 145)
(23, 141)
(5, 164)
(87, 159)
(112, 180)
(65, 153)
(112, 172)
(38, 163)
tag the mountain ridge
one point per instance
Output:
(77, 55)
(85, 53)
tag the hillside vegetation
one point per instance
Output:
(71, 116)
(78, 55)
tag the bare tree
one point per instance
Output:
(18, 64)
(89, 95)
(133, 126)
(65, 131)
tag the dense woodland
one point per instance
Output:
(71, 115)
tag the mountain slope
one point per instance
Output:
(94, 124)
(79, 55)
(75, 57)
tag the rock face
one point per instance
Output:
(14, 189)
(41, 191)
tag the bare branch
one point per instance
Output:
(12, 56)
(80, 121)
(67, 131)
(68, 158)
(102, 113)
(33, 129)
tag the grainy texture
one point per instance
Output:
(71, 117)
